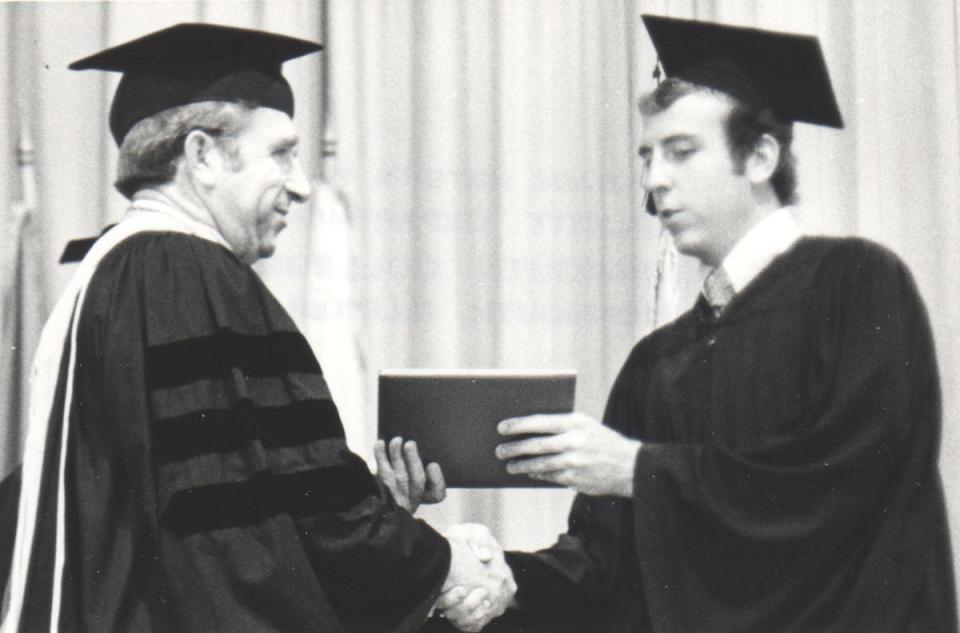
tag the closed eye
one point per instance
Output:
(680, 147)
(680, 154)
(285, 155)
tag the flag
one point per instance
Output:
(20, 308)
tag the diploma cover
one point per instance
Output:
(453, 416)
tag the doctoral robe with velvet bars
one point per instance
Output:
(788, 479)
(209, 486)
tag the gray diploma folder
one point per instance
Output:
(453, 416)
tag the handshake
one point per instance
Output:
(479, 585)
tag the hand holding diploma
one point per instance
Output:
(401, 470)
(570, 449)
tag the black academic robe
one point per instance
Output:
(208, 483)
(788, 479)
(9, 496)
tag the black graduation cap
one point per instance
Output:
(783, 71)
(189, 63)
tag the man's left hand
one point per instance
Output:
(401, 470)
(572, 450)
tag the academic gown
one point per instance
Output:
(788, 478)
(208, 483)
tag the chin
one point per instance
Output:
(266, 250)
(694, 249)
(686, 244)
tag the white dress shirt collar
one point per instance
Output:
(772, 236)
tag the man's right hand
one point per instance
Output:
(480, 585)
(401, 470)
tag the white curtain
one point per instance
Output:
(486, 151)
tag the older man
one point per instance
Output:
(769, 460)
(186, 468)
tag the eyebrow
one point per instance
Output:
(673, 139)
(287, 142)
(680, 138)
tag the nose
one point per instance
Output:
(297, 185)
(656, 174)
(656, 180)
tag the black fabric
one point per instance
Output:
(35, 615)
(209, 431)
(211, 356)
(76, 250)
(194, 62)
(9, 510)
(788, 479)
(240, 504)
(766, 69)
(209, 483)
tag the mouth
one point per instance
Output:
(672, 219)
(666, 213)
(280, 222)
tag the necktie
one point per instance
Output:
(718, 290)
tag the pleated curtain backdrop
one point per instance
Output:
(486, 150)
(479, 163)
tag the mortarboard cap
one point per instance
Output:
(189, 63)
(783, 71)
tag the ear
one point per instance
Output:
(202, 158)
(763, 160)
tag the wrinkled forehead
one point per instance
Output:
(269, 125)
